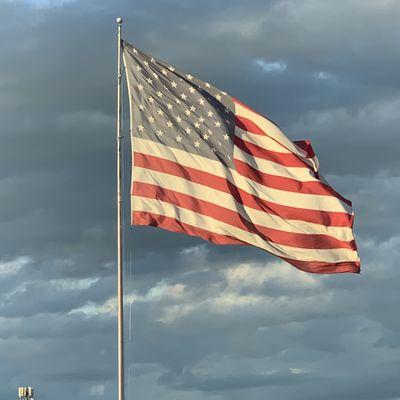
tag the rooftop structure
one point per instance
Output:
(25, 393)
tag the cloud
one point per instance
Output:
(271, 66)
(14, 266)
(230, 383)
(336, 128)
(323, 75)
(97, 390)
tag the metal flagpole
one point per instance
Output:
(119, 222)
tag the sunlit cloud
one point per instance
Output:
(271, 66)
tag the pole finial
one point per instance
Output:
(119, 20)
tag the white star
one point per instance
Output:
(196, 143)
(205, 136)
(218, 97)
(188, 130)
(208, 85)
(160, 112)
(171, 68)
(141, 107)
(149, 81)
(210, 113)
(169, 105)
(226, 137)
(183, 96)
(174, 84)
(146, 63)
(217, 124)
(159, 94)
(151, 100)
(169, 124)
(140, 127)
(197, 125)
(201, 119)
(179, 119)
(140, 87)
(151, 119)
(187, 112)
(201, 101)
(192, 89)
(190, 77)
(160, 133)
(164, 71)
(192, 108)
(138, 68)
(177, 101)
(178, 139)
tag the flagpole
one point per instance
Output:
(119, 221)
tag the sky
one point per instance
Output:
(203, 322)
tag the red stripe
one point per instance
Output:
(326, 218)
(287, 184)
(255, 112)
(174, 225)
(249, 126)
(233, 218)
(285, 159)
(318, 267)
(247, 107)
(306, 146)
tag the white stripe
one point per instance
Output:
(272, 130)
(263, 141)
(218, 227)
(205, 193)
(303, 174)
(291, 199)
(270, 167)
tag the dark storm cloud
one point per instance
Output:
(209, 322)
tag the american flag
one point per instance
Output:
(209, 166)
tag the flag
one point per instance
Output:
(209, 166)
